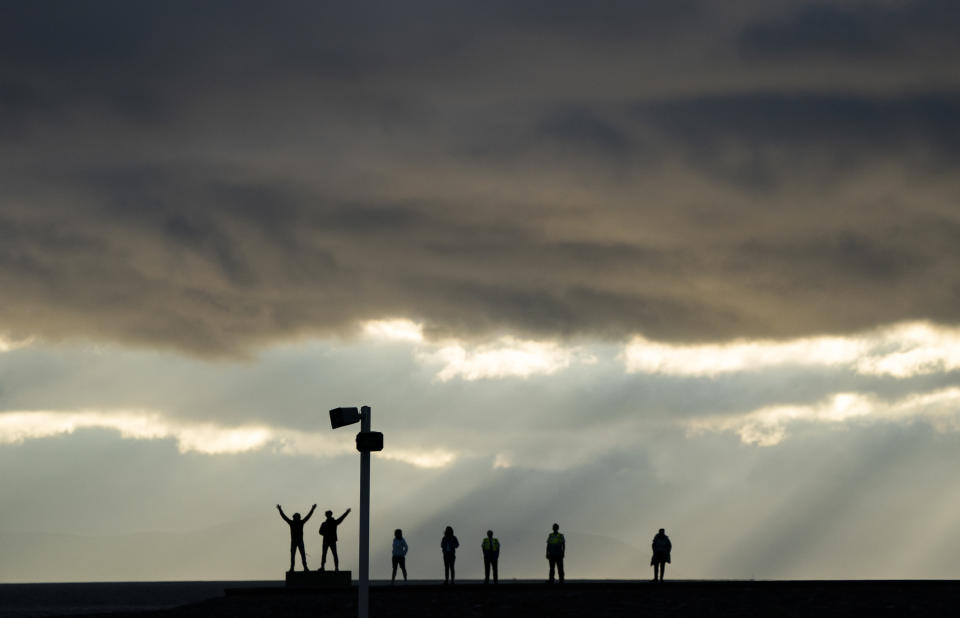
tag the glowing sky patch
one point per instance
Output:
(912, 349)
(435, 458)
(900, 350)
(203, 438)
(768, 426)
(506, 357)
(6, 345)
(398, 329)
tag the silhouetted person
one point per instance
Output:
(661, 553)
(449, 545)
(399, 555)
(491, 554)
(296, 535)
(328, 530)
(556, 548)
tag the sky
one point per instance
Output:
(615, 265)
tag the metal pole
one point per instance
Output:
(363, 607)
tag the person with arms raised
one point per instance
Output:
(296, 535)
(328, 530)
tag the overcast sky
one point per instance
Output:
(618, 265)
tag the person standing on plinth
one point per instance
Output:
(491, 554)
(296, 535)
(556, 548)
(328, 530)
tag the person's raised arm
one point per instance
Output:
(312, 509)
(342, 517)
(285, 518)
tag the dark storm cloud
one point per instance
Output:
(214, 178)
(919, 130)
(864, 29)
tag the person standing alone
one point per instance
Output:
(556, 548)
(399, 555)
(328, 530)
(661, 553)
(449, 545)
(491, 554)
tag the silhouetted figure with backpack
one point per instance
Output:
(328, 530)
(556, 548)
(449, 545)
(661, 553)
(296, 535)
(399, 555)
(491, 555)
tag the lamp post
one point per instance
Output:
(367, 441)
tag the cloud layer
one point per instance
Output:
(214, 180)
(901, 351)
(198, 437)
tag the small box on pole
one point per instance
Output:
(368, 441)
(344, 416)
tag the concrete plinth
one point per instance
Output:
(318, 579)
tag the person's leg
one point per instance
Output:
(293, 552)
(396, 561)
(453, 570)
(486, 570)
(560, 569)
(553, 565)
(493, 563)
(323, 556)
(336, 559)
(446, 567)
(663, 567)
(403, 566)
(303, 556)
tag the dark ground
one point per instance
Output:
(674, 599)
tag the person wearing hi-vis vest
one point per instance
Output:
(491, 554)
(556, 548)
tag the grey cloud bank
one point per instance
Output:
(215, 180)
